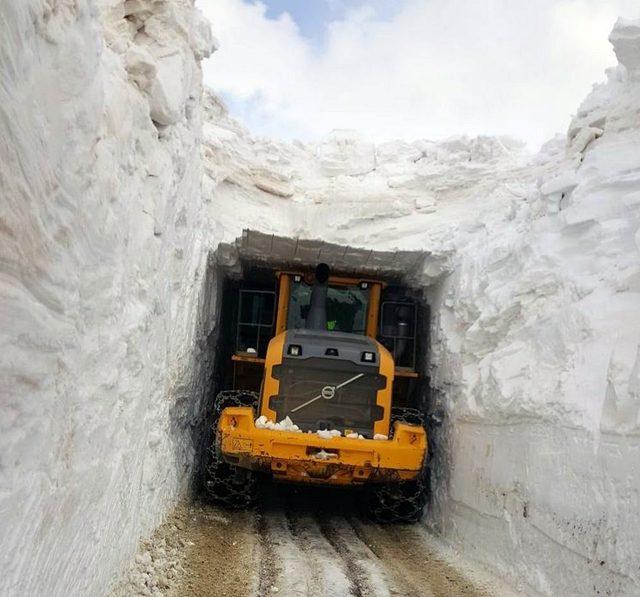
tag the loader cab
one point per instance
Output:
(263, 304)
(352, 304)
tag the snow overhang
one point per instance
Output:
(280, 252)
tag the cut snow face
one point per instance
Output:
(101, 280)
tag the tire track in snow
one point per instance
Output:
(338, 563)
(312, 544)
(267, 564)
(364, 572)
(367, 533)
(287, 572)
(328, 576)
(408, 558)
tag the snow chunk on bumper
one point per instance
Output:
(328, 433)
(285, 425)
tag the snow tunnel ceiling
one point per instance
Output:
(255, 248)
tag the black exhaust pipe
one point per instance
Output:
(317, 315)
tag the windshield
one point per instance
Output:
(346, 308)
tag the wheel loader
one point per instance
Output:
(330, 407)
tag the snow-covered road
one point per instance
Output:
(313, 543)
(299, 542)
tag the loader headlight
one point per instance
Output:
(368, 357)
(295, 350)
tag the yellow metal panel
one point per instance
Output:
(291, 456)
(337, 280)
(271, 386)
(342, 281)
(374, 310)
(283, 303)
(384, 395)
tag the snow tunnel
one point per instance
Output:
(242, 299)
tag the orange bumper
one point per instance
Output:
(307, 458)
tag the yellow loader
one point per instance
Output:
(325, 411)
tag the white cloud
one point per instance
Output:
(436, 68)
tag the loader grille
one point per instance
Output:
(352, 407)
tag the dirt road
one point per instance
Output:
(309, 543)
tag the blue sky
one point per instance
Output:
(312, 16)
(409, 69)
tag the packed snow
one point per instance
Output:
(108, 303)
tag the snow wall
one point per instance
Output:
(533, 276)
(102, 271)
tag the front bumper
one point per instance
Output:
(302, 457)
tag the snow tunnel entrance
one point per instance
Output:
(245, 304)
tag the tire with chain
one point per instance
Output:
(404, 414)
(402, 502)
(398, 502)
(226, 484)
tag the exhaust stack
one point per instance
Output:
(317, 316)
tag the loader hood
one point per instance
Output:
(329, 380)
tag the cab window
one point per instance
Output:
(346, 308)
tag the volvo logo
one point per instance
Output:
(328, 392)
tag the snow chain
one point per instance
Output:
(228, 484)
(398, 502)
(401, 502)
(411, 416)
